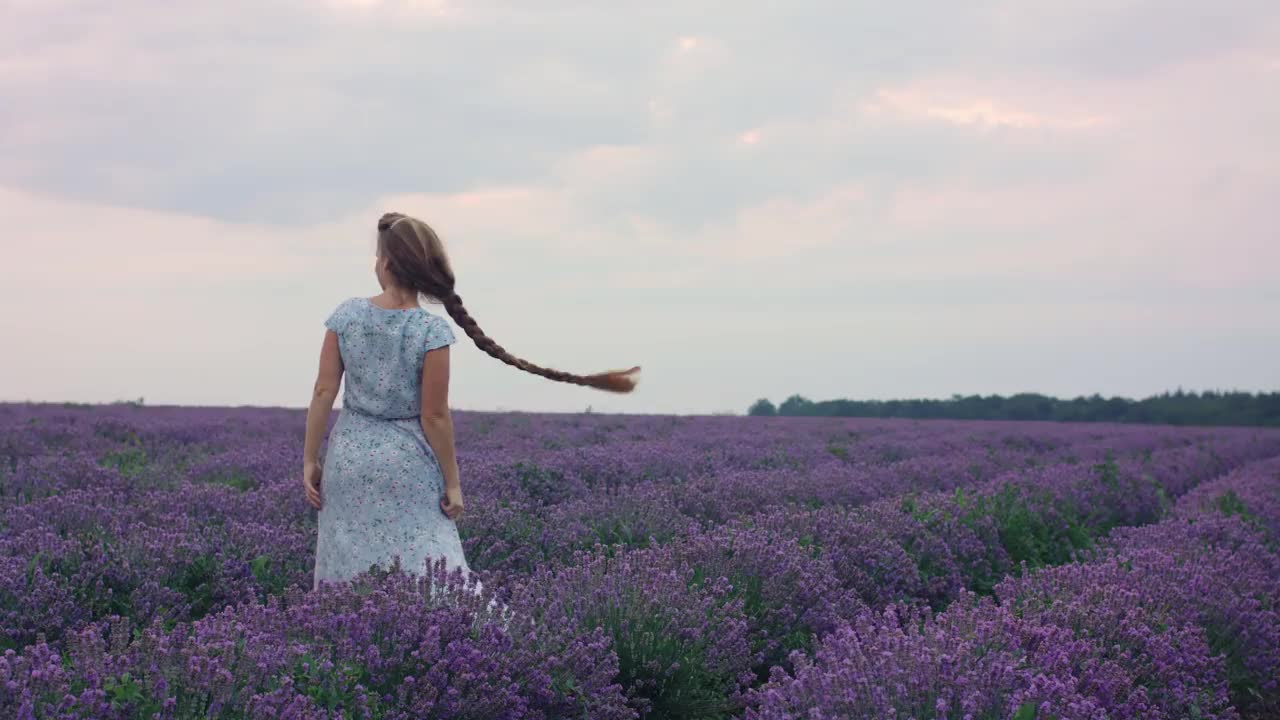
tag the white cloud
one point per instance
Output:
(978, 111)
(793, 175)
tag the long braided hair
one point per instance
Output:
(417, 261)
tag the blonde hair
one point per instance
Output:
(417, 261)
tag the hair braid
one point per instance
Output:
(619, 381)
(417, 261)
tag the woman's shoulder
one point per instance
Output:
(433, 319)
(438, 332)
(355, 303)
(343, 313)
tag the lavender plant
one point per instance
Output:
(156, 562)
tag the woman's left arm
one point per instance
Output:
(323, 396)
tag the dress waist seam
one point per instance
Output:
(363, 414)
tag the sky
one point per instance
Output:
(836, 198)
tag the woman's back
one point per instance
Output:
(382, 353)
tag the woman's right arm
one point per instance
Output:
(437, 424)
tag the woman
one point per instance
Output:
(391, 486)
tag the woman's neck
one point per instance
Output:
(396, 298)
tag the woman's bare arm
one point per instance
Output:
(323, 395)
(437, 424)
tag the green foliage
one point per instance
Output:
(666, 676)
(1026, 711)
(618, 531)
(1027, 537)
(1229, 503)
(839, 451)
(129, 461)
(1032, 529)
(762, 408)
(108, 594)
(272, 578)
(692, 690)
(1225, 641)
(542, 484)
(749, 588)
(231, 477)
(126, 692)
(120, 433)
(1108, 472)
(196, 581)
(332, 688)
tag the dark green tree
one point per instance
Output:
(796, 405)
(1211, 407)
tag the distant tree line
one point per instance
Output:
(1170, 408)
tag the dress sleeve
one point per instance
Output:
(337, 320)
(439, 334)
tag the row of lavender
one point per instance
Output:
(656, 566)
(1180, 619)
(168, 514)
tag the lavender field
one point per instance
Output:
(156, 563)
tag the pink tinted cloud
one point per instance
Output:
(52, 240)
(970, 108)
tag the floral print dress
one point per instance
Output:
(381, 484)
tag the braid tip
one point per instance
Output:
(617, 381)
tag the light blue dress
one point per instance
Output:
(381, 484)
